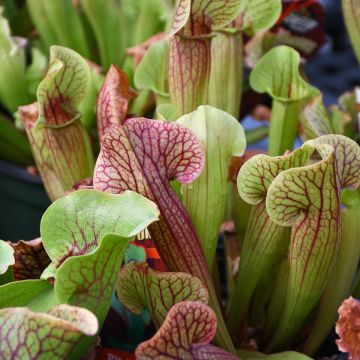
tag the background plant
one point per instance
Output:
(299, 236)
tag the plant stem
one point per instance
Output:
(263, 248)
(225, 82)
(257, 134)
(283, 126)
(339, 284)
(277, 300)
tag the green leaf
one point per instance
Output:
(307, 198)
(265, 242)
(190, 49)
(348, 101)
(28, 336)
(257, 174)
(7, 277)
(144, 18)
(315, 119)
(140, 287)
(36, 71)
(254, 135)
(277, 73)
(167, 112)
(107, 24)
(38, 295)
(204, 54)
(152, 72)
(344, 116)
(225, 46)
(60, 143)
(185, 334)
(189, 64)
(240, 211)
(66, 82)
(58, 23)
(221, 137)
(351, 11)
(74, 224)
(145, 156)
(228, 44)
(85, 234)
(88, 280)
(88, 106)
(6, 257)
(42, 22)
(277, 300)
(340, 282)
(13, 87)
(258, 14)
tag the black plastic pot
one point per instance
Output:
(23, 200)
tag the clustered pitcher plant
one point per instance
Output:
(170, 175)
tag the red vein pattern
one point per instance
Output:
(190, 58)
(144, 156)
(199, 16)
(35, 336)
(308, 199)
(181, 15)
(89, 280)
(114, 97)
(54, 187)
(86, 234)
(265, 242)
(65, 84)
(30, 259)
(139, 287)
(185, 334)
(59, 142)
(277, 74)
(347, 159)
(190, 49)
(189, 71)
(75, 224)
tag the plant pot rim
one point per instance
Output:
(18, 172)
